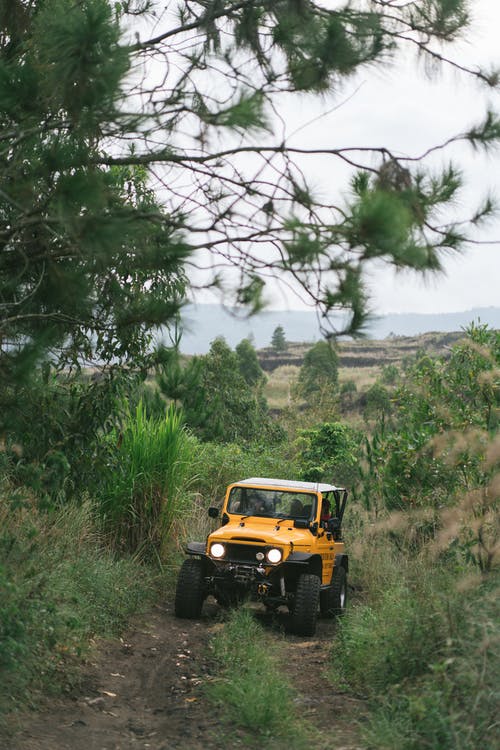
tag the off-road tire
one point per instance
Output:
(305, 608)
(189, 594)
(333, 600)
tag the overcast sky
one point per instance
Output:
(402, 107)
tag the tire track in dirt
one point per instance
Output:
(145, 692)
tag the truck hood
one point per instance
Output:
(267, 531)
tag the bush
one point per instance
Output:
(421, 642)
(59, 588)
(53, 426)
(397, 638)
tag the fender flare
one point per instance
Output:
(196, 548)
(342, 560)
(311, 560)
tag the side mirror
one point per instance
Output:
(301, 523)
(213, 512)
(314, 528)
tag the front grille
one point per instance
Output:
(243, 553)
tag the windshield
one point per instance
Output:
(250, 501)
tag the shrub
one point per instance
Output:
(421, 641)
(454, 705)
(52, 427)
(398, 637)
(152, 463)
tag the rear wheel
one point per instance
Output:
(305, 609)
(190, 592)
(334, 599)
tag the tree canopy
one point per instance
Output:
(139, 148)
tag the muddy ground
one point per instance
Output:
(147, 690)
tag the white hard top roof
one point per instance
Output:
(310, 486)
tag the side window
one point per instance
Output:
(236, 502)
(326, 510)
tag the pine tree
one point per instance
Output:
(89, 262)
(110, 180)
(278, 340)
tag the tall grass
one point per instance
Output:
(153, 464)
(453, 704)
(59, 587)
(421, 643)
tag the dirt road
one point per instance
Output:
(146, 691)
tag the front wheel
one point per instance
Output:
(190, 593)
(305, 608)
(334, 599)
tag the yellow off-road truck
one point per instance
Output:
(279, 542)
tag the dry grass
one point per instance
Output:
(279, 386)
(363, 377)
(280, 382)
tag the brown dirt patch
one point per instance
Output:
(146, 691)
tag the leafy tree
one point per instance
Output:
(249, 365)
(389, 374)
(347, 394)
(319, 370)
(278, 340)
(329, 452)
(115, 186)
(232, 410)
(109, 180)
(377, 402)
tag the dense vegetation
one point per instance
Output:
(110, 443)
(420, 642)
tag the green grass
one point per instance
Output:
(454, 703)
(252, 688)
(60, 588)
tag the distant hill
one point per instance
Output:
(203, 323)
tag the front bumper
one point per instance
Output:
(259, 582)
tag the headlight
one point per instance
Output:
(217, 550)
(274, 555)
